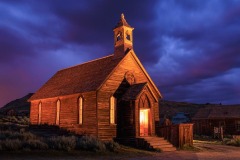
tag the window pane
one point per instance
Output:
(80, 107)
(39, 112)
(112, 110)
(58, 112)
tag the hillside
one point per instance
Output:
(170, 108)
(18, 105)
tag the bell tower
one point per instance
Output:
(123, 38)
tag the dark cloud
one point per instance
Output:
(190, 48)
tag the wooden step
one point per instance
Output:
(159, 143)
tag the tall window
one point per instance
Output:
(112, 109)
(58, 112)
(119, 36)
(80, 110)
(128, 36)
(39, 112)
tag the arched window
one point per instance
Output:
(112, 109)
(119, 36)
(58, 112)
(128, 36)
(144, 101)
(39, 112)
(80, 110)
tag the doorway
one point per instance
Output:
(144, 122)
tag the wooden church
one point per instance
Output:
(109, 97)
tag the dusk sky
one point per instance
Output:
(190, 48)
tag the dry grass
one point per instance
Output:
(15, 135)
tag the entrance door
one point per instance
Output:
(144, 122)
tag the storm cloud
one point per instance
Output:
(191, 49)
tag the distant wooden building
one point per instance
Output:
(227, 117)
(108, 97)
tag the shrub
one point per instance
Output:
(13, 119)
(26, 120)
(28, 136)
(62, 143)
(35, 144)
(2, 136)
(11, 134)
(232, 142)
(11, 144)
(112, 146)
(90, 143)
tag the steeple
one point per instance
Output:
(123, 39)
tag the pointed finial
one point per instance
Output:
(122, 16)
(122, 22)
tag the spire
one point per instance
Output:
(122, 22)
(123, 38)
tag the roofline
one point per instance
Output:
(145, 72)
(30, 99)
(87, 62)
(151, 92)
(111, 72)
(141, 66)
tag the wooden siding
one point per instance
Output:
(34, 113)
(68, 117)
(48, 114)
(106, 131)
(111, 85)
(69, 114)
(206, 126)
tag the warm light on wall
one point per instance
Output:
(144, 122)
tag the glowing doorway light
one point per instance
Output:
(144, 122)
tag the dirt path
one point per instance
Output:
(206, 152)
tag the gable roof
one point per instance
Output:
(133, 91)
(131, 52)
(78, 79)
(218, 112)
(145, 72)
(89, 76)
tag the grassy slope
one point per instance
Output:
(19, 105)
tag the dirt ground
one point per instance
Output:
(206, 151)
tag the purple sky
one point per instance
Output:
(190, 48)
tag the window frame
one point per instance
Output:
(112, 110)
(80, 110)
(39, 112)
(58, 106)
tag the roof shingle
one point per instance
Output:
(78, 79)
(218, 112)
(133, 91)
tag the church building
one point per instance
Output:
(110, 97)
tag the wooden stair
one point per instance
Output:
(159, 143)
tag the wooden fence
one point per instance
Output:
(179, 135)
